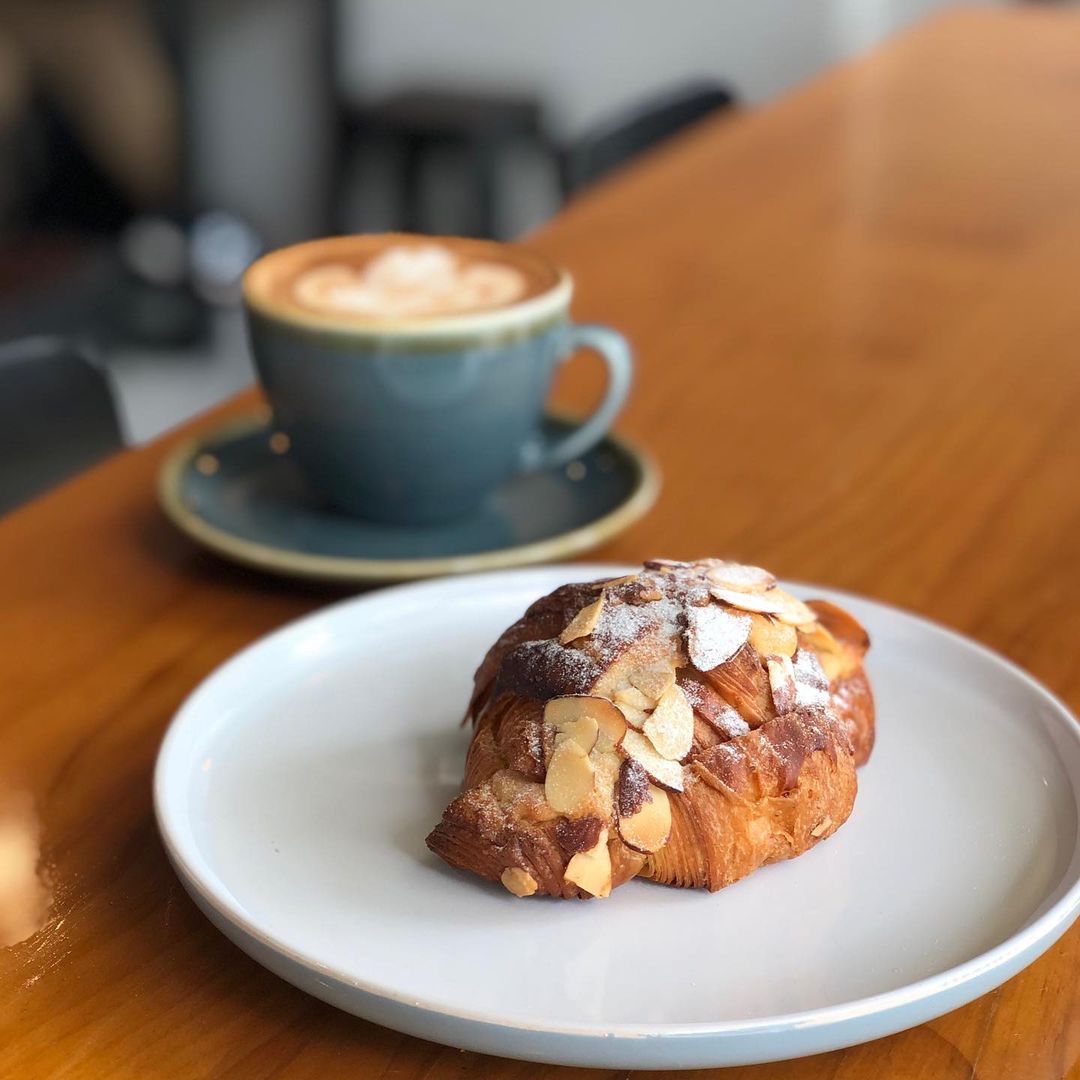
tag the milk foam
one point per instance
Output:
(409, 280)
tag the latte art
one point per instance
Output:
(400, 283)
(409, 281)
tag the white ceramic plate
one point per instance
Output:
(296, 785)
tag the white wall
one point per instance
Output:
(585, 58)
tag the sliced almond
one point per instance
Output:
(648, 829)
(740, 577)
(782, 683)
(583, 731)
(653, 683)
(667, 773)
(569, 784)
(584, 622)
(775, 601)
(667, 564)
(670, 726)
(769, 636)
(766, 603)
(605, 744)
(795, 612)
(821, 827)
(616, 581)
(606, 763)
(591, 870)
(714, 635)
(633, 697)
(611, 721)
(634, 716)
(519, 882)
(560, 711)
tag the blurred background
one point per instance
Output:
(149, 149)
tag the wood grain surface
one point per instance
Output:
(858, 327)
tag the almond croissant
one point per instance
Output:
(686, 724)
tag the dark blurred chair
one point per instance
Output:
(57, 416)
(481, 127)
(621, 139)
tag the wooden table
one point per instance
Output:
(857, 313)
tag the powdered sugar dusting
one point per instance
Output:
(622, 625)
(810, 696)
(658, 618)
(708, 705)
(811, 682)
(546, 668)
(730, 722)
(632, 789)
(782, 683)
(520, 797)
(714, 635)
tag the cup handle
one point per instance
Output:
(613, 347)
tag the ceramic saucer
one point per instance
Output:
(237, 490)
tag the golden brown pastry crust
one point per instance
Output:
(763, 744)
(759, 798)
(852, 698)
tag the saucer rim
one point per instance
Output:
(343, 569)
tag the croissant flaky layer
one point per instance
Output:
(685, 724)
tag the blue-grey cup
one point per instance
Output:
(415, 420)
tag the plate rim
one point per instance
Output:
(1026, 944)
(342, 569)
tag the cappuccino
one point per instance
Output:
(409, 373)
(396, 278)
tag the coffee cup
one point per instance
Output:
(410, 373)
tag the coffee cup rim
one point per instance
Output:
(522, 313)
